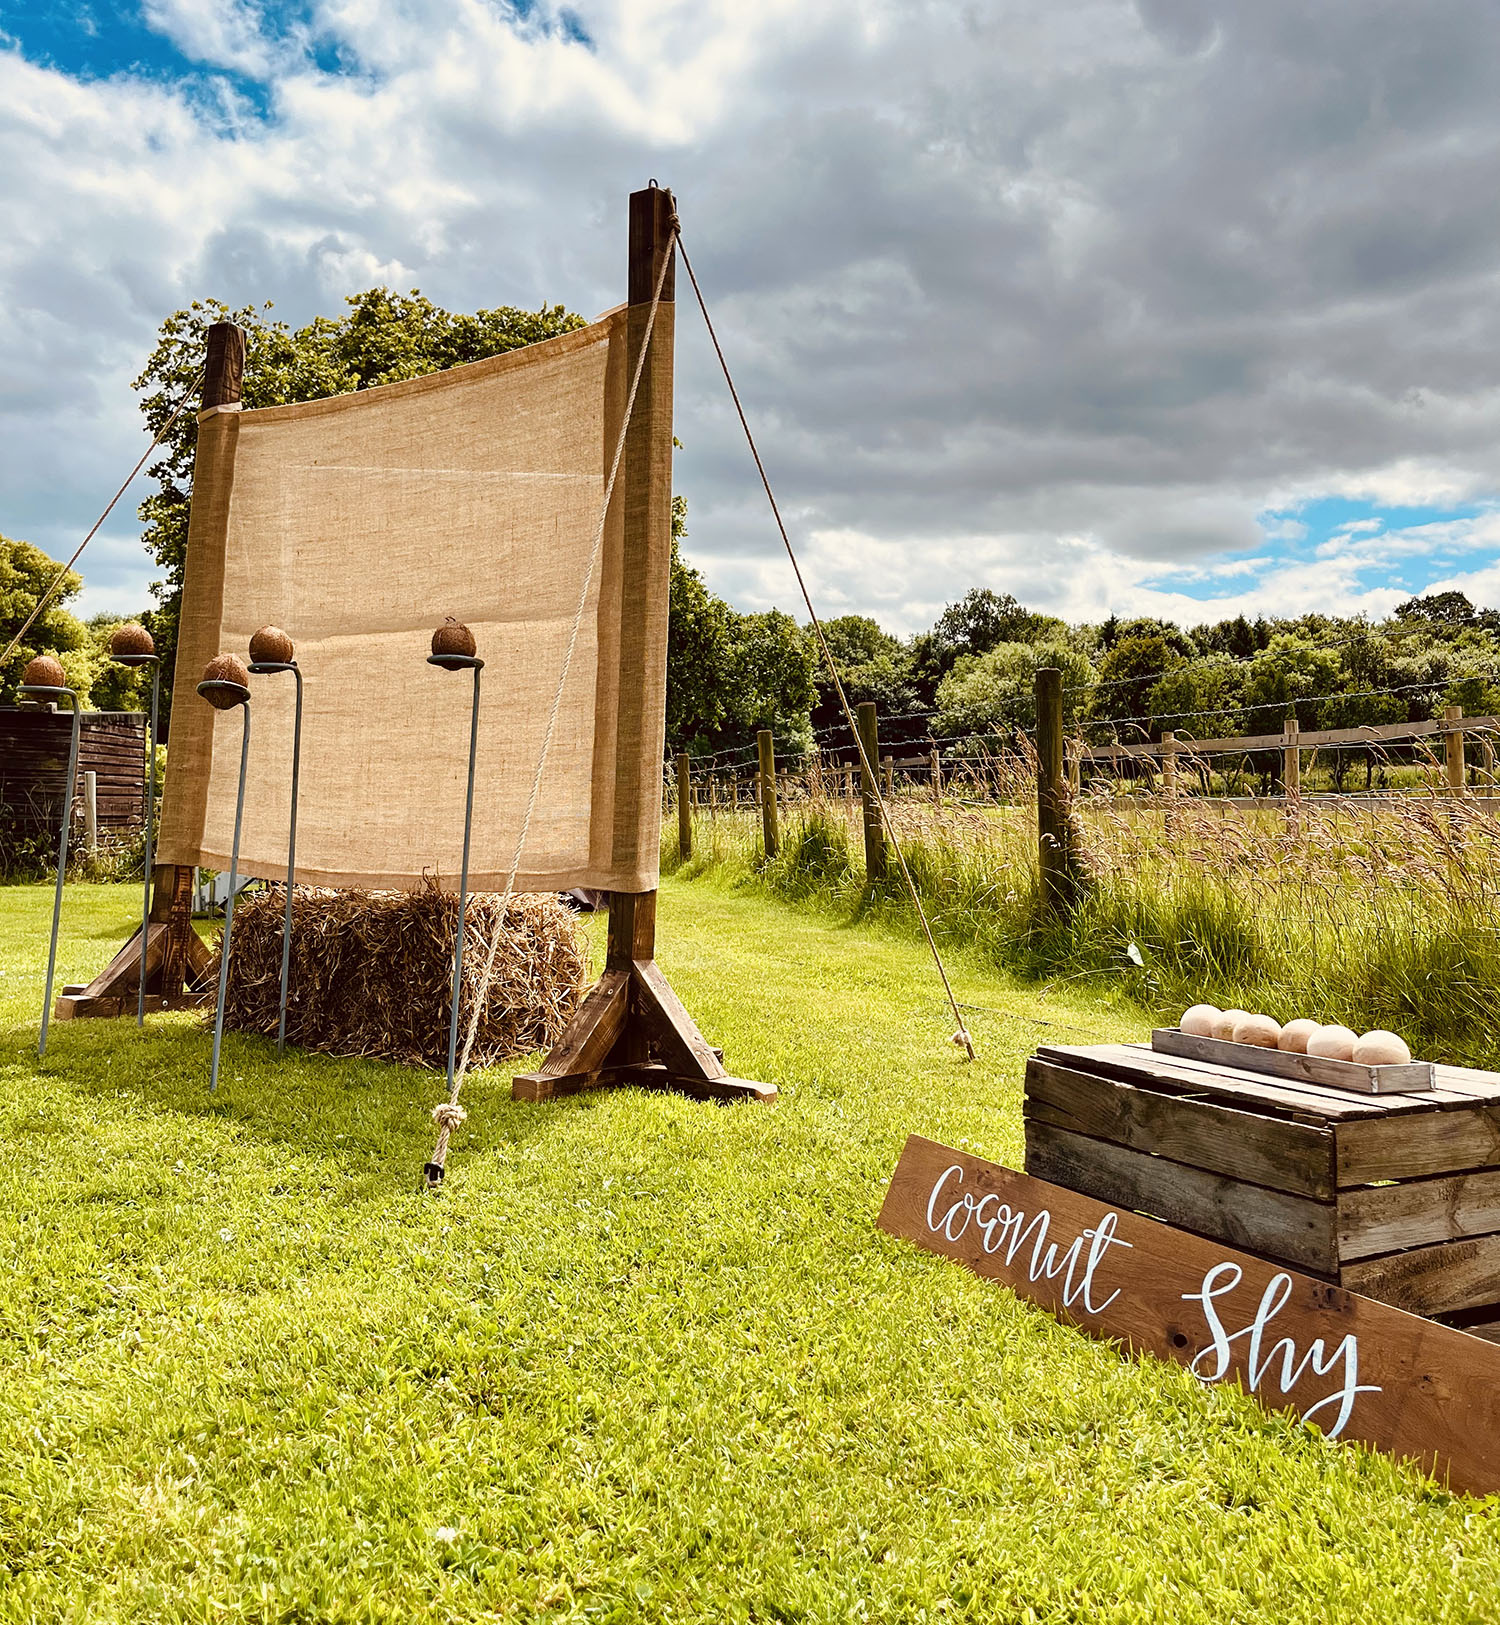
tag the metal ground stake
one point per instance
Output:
(433, 1172)
(44, 693)
(261, 667)
(154, 661)
(231, 694)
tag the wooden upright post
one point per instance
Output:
(1169, 763)
(1291, 760)
(91, 811)
(765, 747)
(935, 770)
(874, 832)
(177, 960)
(1453, 748)
(632, 1028)
(684, 806)
(1053, 835)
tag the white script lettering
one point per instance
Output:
(1223, 1279)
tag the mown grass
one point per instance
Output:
(644, 1360)
(1372, 916)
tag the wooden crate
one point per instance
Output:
(1393, 1196)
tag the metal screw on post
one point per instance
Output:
(44, 694)
(224, 693)
(262, 643)
(432, 1173)
(133, 646)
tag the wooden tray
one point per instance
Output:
(1411, 1077)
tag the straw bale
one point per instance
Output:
(372, 972)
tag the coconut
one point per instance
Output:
(131, 639)
(225, 669)
(1224, 1025)
(1295, 1034)
(1332, 1043)
(453, 638)
(45, 672)
(271, 646)
(1380, 1048)
(1199, 1021)
(1257, 1029)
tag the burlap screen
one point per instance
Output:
(357, 523)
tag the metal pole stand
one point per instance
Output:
(261, 668)
(44, 694)
(224, 696)
(432, 1172)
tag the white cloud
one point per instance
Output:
(1059, 299)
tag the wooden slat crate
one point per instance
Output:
(1393, 1196)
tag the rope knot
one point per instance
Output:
(449, 1114)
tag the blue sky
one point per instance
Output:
(1175, 307)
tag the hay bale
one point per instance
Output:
(372, 972)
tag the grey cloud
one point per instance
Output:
(1018, 273)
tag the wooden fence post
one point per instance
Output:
(91, 810)
(935, 767)
(769, 831)
(684, 806)
(1453, 749)
(888, 775)
(1291, 760)
(1169, 763)
(1051, 793)
(1487, 760)
(874, 833)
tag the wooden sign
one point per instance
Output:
(1353, 1367)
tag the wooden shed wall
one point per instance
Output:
(34, 761)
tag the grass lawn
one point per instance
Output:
(645, 1359)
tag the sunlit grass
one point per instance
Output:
(1383, 916)
(645, 1359)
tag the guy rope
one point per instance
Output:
(449, 1114)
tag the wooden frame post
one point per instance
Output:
(177, 960)
(632, 1028)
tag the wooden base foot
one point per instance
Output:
(114, 992)
(632, 1030)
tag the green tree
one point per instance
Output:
(1286, 678)
(1198, 699)
(700, 651)
(1127, 673)
(771, 679)
(987, 697)
(25, 574)
(383, 337)
(874, 665)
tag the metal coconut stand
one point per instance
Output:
(43, 694)
(433, 1171)
(223, 695)
(262, 668)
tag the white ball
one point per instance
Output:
(1258, 1030)
(1224, 1026)
(1199, 1021)
(1381, 1048)
(1332, 1043)
(1295, 1034)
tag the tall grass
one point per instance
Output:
(1373, 915)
